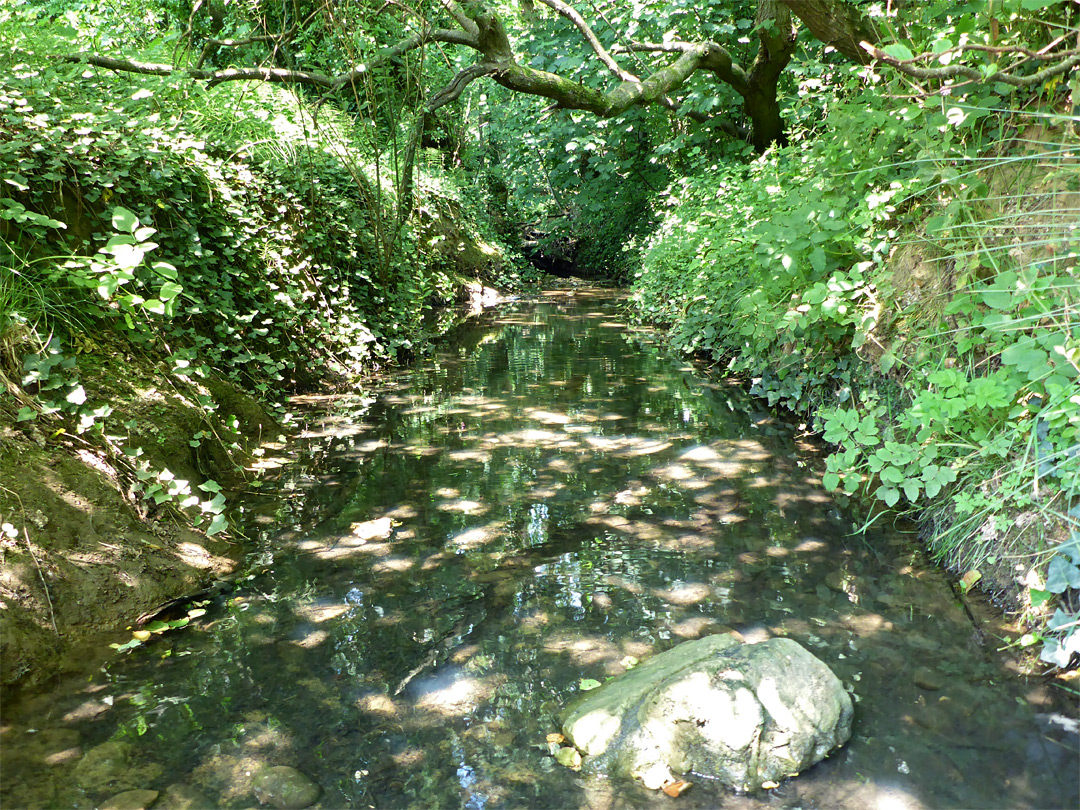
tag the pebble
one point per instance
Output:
(284, 788)
(926, 678)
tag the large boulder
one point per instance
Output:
(746, 714)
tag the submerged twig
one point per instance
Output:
(44, 585)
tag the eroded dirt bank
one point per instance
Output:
(82, 553)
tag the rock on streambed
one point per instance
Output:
(746, 714)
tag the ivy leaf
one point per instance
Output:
(1039, 597)
(124, 220)
(169, 290)
(77, 395)
(219, 523)
(1061, 574)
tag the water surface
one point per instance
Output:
(547, 500)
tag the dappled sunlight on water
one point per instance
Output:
(549, 499)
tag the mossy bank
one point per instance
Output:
(163, 290)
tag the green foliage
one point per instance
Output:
(949, 388)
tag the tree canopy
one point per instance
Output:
(718, 63)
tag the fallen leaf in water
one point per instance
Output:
(569, 758)
(142, 635)
(769, 785)
(675, 789)
(588, 683)
(969, 579)
(555, 738)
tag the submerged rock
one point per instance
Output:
(745, 714)
(285, 788)
(103, 765)
(131, 800)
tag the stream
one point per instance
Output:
(550, 498)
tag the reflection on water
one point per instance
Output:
(548, 500)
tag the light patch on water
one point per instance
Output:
(477, 536)
(688, 593)
(311, 639)
(321, 613)
(395, 564)
(463, 505)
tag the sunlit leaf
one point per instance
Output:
(124, 220)
(569, 758)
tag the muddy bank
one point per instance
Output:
(83, 552)
(96, 534)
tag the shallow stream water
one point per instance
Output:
(548, 499)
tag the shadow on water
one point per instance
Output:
(547, 500)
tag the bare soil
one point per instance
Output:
(83, 555)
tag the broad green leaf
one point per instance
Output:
(1061, 574)
(898, 51)
(588, 683)
(219, 523)
(169, 290)
(124, 220)
(888, 494)
(830, 481)
(911, 490)
(165, 270)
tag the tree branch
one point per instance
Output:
(211, 77)
(213, 44)
(601, 52)
(460, 17)
(907, 67)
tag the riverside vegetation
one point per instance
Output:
(209, 206)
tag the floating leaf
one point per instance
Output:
(769, 785)
(588, 683)
(142, 635)
(555, 738)
(676, 789)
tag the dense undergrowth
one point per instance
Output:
(907, 281)
(238, 231)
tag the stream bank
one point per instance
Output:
(99, 529)
(454, 555)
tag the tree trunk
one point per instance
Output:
(776, 49)
(838, 24)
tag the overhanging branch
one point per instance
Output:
(910, 67)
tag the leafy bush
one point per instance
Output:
(908, 283)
